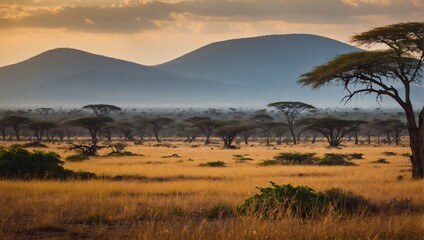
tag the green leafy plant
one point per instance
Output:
(269, 163)
(279, 200)
(335, 159)
(18, 163)
(296, 158)
(381, 160)
(77, 158)
(213, 164)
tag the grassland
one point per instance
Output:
(164, 196)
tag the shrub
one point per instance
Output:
(219, 211)
(213, 164)
(346, 201)
(335, 159)
(269, 163)
(388, 153)
(172, 156)
(34, 145)
(77, 158)
(279, 200)
(239, 158)
(302, 201)
(296, 158)
(381, 160)
(18, 163)
(355, 156)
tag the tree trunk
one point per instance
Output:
(416, 143)
(421, 139)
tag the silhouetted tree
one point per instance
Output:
(3, 127)
(126, 128)
(290, 111)
(206, 126)
(334, 130)
(266, 124)
(16, 122)
(188, 131)
(228, 132)
(247, 130)
(41, 128)
(156, 125)
(102, 110)
(378, 72)
(93, 125)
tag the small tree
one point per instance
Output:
(93, 125)
(3, 127)
(266, 124)
(228, 132)
(392, 73)
(334, 130)
(41, 128)
(290, 111)
(102, 110)
(157, 125)
(126, 128)
(206, 126)
(16, 122)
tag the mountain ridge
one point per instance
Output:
(238, 72)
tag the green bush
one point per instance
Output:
(77, 158)
(279, 200)
(388, 153)
(239, 158)
(296, 158)
(213, 164)
(302, 201)
(346, 201)
(219, 211)
(18, 163)
(34, 145)
(335, 159)
(381, 160)
(175, 155)
(355, 156)
(269, 163)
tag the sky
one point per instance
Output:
(152, 32)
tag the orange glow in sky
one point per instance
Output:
(152, 32)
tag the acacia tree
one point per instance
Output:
(157, 125)
(333, 129)
(3, 126)
(126, 128)
(266, 124)
(42, 128)
(290, 111)
(16, 122)
(228, 132)
(205, 124)
(392, 73)
(94, 126)
(102, 110)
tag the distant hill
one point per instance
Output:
(72, 77)
(240, 72)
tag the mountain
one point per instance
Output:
(239, 72)
(73, 77)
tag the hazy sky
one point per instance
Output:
(152, 32)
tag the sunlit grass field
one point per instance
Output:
(159, 195)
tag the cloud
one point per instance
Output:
(132, 16)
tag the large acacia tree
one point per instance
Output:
(333, 129)
(290, 111)
(391, 72)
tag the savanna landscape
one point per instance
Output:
(306, 123)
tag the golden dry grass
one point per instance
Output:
(173, 199)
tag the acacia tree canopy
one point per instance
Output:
(291, 110)
(381, 73)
